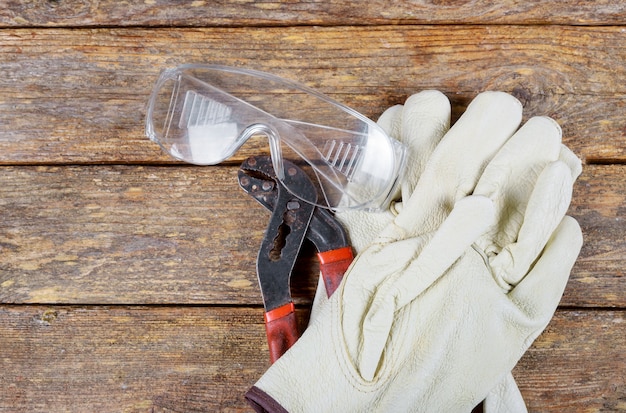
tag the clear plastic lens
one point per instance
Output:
(202, 114)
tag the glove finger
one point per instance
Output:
(458, 161)
(425, 120)
(572, 161)
(510, 178)
(391, 121)
(546, 208)
(467, 221)
(538, 294)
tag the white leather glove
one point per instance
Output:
(420, 124)
(439, 308)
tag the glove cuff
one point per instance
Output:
(262, 402)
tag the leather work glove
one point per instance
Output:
(420, 124)
(438, 309)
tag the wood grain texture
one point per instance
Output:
(101, 359)
(83, 13)
(172, 359)
(79, 96)
(146, 266)
(569, 369)
(189, 235)
(604, 244)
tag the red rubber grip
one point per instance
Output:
(333, 265)
(282, 330)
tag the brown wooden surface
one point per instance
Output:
(190, 359)
(183, 234)
(81, 95)
(127, 280)
(297, 12)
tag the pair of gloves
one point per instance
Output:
(454, 282)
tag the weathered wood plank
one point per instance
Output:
(136, 235)
(129, 359)
(116, 234)
(577, 365)
(600, 207)
(78, 96)
(139, 359)
(229, 13)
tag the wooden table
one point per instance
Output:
(127, 280)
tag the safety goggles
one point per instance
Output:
(202, 114)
